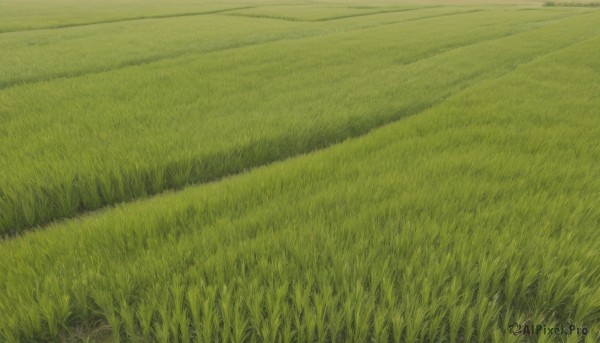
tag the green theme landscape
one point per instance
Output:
(299, 171)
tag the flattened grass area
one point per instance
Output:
(317, 13)
(421, 175)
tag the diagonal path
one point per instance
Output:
(261, 152)
(294, 19)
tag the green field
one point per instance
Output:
(299, 171)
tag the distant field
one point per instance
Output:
(17, 15)
(573, 3)
(317, 13)
(298, 171)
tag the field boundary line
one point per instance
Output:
(179, 55)
(197, 13)
(266, 16)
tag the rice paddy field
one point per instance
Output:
(299, 171)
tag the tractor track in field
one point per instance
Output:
(113, 21)
(292, 19)
(318, 146)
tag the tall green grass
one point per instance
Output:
(445, 226)
(140, 130)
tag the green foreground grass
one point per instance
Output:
(469, 202)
